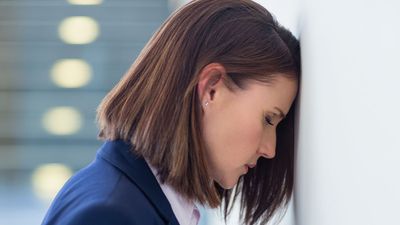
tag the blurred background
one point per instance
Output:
(58, 59)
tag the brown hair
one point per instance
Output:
(156, 106)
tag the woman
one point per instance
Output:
(206, 107)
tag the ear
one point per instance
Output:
(210, 82)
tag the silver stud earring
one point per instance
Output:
(206, 103)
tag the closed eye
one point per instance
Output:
(268, 120)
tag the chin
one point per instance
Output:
(227, 183)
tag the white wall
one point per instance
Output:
(348, 136)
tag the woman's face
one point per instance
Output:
(240, 127)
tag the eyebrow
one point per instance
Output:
(281, 114)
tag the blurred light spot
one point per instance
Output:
(48, 179)
(62, 120)
(71, 73)
(78, 30)
(85, 2)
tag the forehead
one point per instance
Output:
(278, 93)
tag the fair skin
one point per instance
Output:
(236, 124)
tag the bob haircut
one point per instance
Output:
(155, 106)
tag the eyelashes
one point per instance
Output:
(268, 120)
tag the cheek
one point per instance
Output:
(244, 136)
(233, 137)
(232, 140)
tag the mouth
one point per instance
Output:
(251, 165)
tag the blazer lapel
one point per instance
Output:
(135, 167)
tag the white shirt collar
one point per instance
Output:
(185, 211)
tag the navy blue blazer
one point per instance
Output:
(117, 188)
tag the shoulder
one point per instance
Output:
(105, 214)
(99, 214)
(101, 194)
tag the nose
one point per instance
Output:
(268, 145)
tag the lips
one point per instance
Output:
(251, 165)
